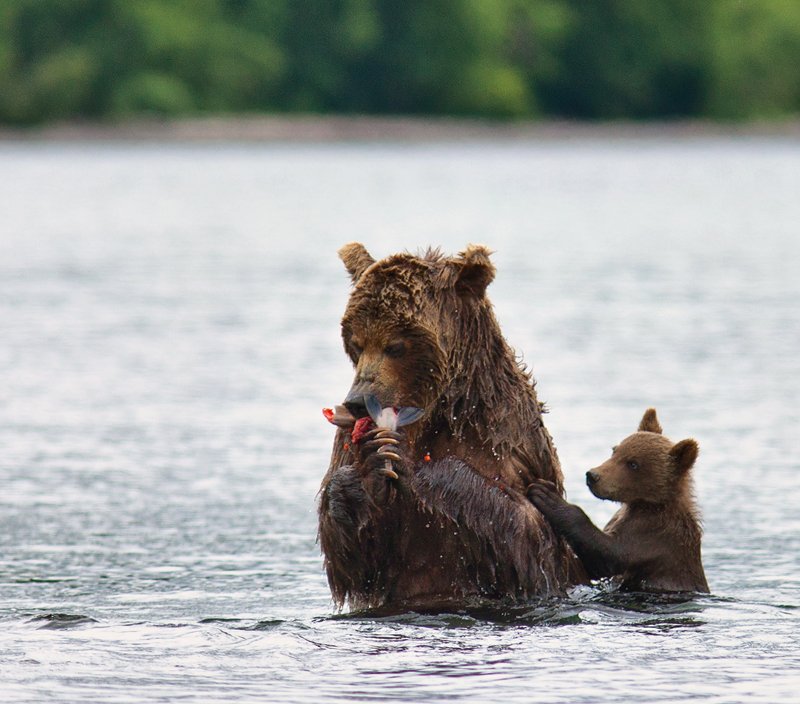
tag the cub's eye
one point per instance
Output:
(632, 464)
(395, 349)
(355, 349)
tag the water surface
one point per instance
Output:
(168, 335)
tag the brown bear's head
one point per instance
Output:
(645, 467)
(403, 325)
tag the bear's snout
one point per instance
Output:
(356, 403)
(592, 478)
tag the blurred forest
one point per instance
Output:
(581, 59)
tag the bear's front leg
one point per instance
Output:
(599, 552)
(359, 516)
(347, 520)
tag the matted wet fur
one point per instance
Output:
(456, 526)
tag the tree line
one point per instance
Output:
(580, 59)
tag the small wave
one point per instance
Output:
(57, 621)
(573, 609)
(266, 625)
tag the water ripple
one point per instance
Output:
(170, 331)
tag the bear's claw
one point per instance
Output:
(388, 473)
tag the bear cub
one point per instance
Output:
(653, 542)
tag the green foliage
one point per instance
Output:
(628, 58)
(151, 93)
(491, 89)
(756, 59)
(67, 59)
(439, 56)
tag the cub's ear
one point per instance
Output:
(684, 454)
(356, 259)
(650, 422)
(476, 271)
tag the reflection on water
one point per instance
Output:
(168, 334)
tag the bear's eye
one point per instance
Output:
(395, 349)
(632, 464)
(355, 349)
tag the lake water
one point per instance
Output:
(169, 332)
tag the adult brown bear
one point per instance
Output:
(455, 527)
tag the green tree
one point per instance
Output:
(589, 59)
(756, 59)
(441, 56)
(94, 58)
(628, 58)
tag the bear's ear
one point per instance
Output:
(684, 454)
(476, 271)
(356, 259)
(650, 422)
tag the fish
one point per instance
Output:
(339, 416)
(388, 418)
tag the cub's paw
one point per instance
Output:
(554, 507)
(545, 497)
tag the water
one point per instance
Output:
(169, 333)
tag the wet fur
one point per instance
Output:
(457, 526)
(653, 542)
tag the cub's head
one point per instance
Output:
(644, 467)
(402, 324)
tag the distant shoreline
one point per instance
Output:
(335, 129)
